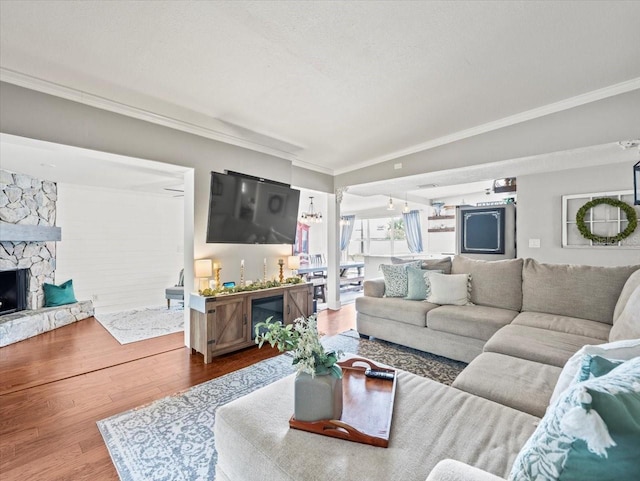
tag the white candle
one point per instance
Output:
(265, 262)
(242, 263)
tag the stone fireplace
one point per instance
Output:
(28, 238)
(27, 230)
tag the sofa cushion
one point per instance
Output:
(395, 309)
(586, 292)
(437, 264)
(479, 322)
(449, 288)
(627, 325)
(596, 366)
(518, 383)
(589, 434)
(493, 283)
(430, 422)
(629, 287)
(539, 345)
(418, 284)
(619, 350)
(373, 287)
(570, 325)
(395, 278)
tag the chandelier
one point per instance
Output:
(311, 217)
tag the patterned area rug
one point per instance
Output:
(140, 324)
(172, 439)
(423, 364)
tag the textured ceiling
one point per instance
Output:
(332, 85)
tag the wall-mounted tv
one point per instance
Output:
(250, 210)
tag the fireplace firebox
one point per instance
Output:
(264, 308)
(14, 285)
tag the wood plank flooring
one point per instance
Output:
(55, 386)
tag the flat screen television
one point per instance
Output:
(251, 210)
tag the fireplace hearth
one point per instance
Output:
(13, 290)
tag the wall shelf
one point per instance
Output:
(446, 229)
(440, 217)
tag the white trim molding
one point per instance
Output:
(566, 104)
(51, 88)
(57, 90)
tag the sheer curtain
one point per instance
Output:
(346, 231)
(413, 231)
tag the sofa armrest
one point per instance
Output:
(374, 287)
(451, 470)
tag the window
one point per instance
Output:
(604, 220)
(383, 236)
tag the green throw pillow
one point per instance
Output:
(395, 278)
(596, 366)
(418, 285)
(59, 295)
(591, 433)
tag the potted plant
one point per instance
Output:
(318, 384)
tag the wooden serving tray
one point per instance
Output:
(367, 407)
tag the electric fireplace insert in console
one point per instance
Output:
(263, 308)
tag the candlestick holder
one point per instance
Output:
(218, 284)
(281, 264)
(242, 275)
(264, 273)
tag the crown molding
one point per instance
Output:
(68, 93)
(51, 88)
(593, 96)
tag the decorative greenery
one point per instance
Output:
(632, 219)
(303, 339)
(397, 226)
(255, 286)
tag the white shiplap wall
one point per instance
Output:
(121, 248)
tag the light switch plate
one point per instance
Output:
(534, 243)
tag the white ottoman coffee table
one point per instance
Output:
(431, 422)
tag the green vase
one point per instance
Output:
(318, 397)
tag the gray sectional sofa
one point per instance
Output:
(526, 321)
(556, 308)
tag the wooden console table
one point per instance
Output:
(223, 324)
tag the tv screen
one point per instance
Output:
(248, 210)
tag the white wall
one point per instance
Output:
(539, 214)
(124, 247)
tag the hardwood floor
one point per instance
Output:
(55, 386)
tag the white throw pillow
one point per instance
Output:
(449, 289)
(617, 351)
(627, 325)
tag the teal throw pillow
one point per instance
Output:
(591, 433)
(418, 285)
(59, 295)
(396, 279)
(596, 366)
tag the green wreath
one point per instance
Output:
(632, 219)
